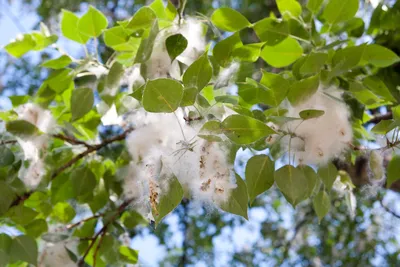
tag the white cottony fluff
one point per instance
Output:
(163, 145)
(318, 140)
(35, 146)
(159, 65)
(57, 254)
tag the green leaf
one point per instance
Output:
(170, 11)
(340, 10)
(311, 114)
(322, 204)
(393, 171)
(113, 78)
(383, 127)
(92, 23)
(36, 228)
(347, 58)
(198, 74)
(43, 41)
(5, 245)
(189, 96)
(312, 179)
(362, 94)
(162, 95)
(158, 7)
(6, 156)
(129, 255)
(60, 80)
(244, 130)
(271, 31)
(143, 19)
(259, 175)
(328, 175)
(57, 63)
(313, 63)
(379, 56)
(115, 36)
(69, 27)
(314, 5)
(82, 101)
(18, 100)
(21, 46)
(7, 197)
(146, 46)
(132, 218)
(248, 53)
(278, 85)
(238, 200)
(64, 212)
(83, 181)
(378, 87)
(175, 44)
(254, 93)
(293, 184)
(21, 128)
(282, 54)
(24, 248)
(228, 19)
(223, 50)
(168, 201)
(303, 89)
(289, 8)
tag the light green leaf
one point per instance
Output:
(7, 196)
(289, 8)
(60, 80)
(328, 175)
(21, 46)
(17, 100)
(271, 31)
(57, 63)
(92, 23)
(244, 130)
(223, 50)
(143, 19)
(313, 63)
(168, 201)
(115, 36)
(69, 27)
(383, 127)
(63, 212)
(189, 96)
(248, 53)
(293, 184)
(175, 44)
(24, 248)
(362, 94)
(198, 74)
(113, 78)
(282, 54)
(43, 41)
(322, 204)
(238, 200)
(393, 171)
(83, 181)
(254, 93)
(259, 175)
(378, 87)
(158, 7)
(170, 11)
(379, 56)
(162, 95)
(278, 85)
(21, 128)
(311, 114)
(314, 5)
(82, 101)
(347, 58)
(129, 255)
(6, 156)
(229, 20)
(303, 89)
(340, 10)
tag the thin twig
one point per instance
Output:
(103, 230)
(7, 142)
(70, 226)
(388, 210)
(103, 234)
(380, 117)
(71, 140)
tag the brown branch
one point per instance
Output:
(380, 117)
(103, 230)
(98, 247)
(6, 142)
(70, 226)
(71, 140)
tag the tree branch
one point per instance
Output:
(6, 142)
(388, 210)
(380, 117)
(71, 140)
(103, 231)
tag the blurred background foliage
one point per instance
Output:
(276, 235)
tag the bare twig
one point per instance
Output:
(70, 226)
(7, 142)
(388, 210)
(72, 140)
(380, 117)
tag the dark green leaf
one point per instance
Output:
(302, 90)
(24, 248)
(83, 181)
(198, 74)
(238, 200)
(322, 204)
(162, 95)
(7, 196)
(259, 175)
(311, 114)
(21, 128)
(146, 46)
(175, 44)
(82, 101)
(36, 228)
(328, 175)
(393, 171)
(293, 184)
(113, 79)
(223, 50)
(6, 156)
